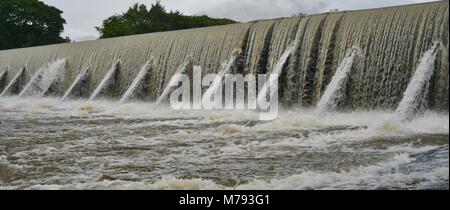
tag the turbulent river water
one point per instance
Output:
(49, 144)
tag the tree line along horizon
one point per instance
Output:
(29, 23)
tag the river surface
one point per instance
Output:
(48, 144)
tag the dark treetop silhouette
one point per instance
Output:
(27, 23)
(140, 20)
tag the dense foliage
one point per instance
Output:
(139, 20)
(27, 23)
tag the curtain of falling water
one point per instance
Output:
(390, 42)
(208, 47)
(257, 46)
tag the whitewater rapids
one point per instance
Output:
(49, 144)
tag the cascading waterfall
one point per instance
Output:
(275, 74)
(44, 78)
(182, 69)
(139, 83)
(415, 97)
(76, 88)
(217, 83)
(335, 90)
(15, 85)
(107, 81)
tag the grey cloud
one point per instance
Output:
(262, 9)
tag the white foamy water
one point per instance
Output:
(44, 78)
(49, 144)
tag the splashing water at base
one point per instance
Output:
(49, 144)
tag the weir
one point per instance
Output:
(46, 77)
(216, 87)
(55, 80)
(391, 41)
(106, 85)
(78, 85)
(139, 85)
(335, 90)
(16, 84)
(276, 72)
(174, 80)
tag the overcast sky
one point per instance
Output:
(83, 15)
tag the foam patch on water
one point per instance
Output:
(380, 176)
(4, 161)
(93, 138)
(429, 123)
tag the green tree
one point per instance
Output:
(27, 23)
(139, 20)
